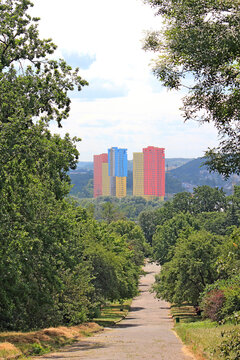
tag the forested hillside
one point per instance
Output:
(195, 173)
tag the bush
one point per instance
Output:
(212, 304)
(221, 299)
(232, 300)
(230, 346)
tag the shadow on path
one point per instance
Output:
(83, 346)
(124, 326)
(136, 308)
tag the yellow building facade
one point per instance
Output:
(105, 180)
(152, 197)
(121, 187)
(138, 174)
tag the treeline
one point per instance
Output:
(110, 208)
(196, 239)
(57, 263)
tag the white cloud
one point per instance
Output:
(112, 31)
(136, 122)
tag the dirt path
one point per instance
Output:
(145, 334)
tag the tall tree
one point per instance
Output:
(199, 50)
(35, 221)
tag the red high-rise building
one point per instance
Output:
(98, 160)
(154, 171)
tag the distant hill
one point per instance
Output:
(88, 165)
(194, 173)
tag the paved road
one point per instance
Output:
(145, 334)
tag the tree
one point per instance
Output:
(150, 219)
(36, 223)
(234, 206)
(31, 85)
(207, 199)
(199, 50)
(182, 202)
(214, 222)
(191, 268)
(134, 237)
(166, 235)
(110, 212)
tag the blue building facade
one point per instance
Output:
(117, 162)
(117, 168)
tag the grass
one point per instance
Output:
(112, 313)
(203, 337)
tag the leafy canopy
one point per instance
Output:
(31, 84)
(199, 50)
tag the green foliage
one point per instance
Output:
(196, 241)
(31, 84)
(134, 237)
(109, 212)
(221, 300)
(150, 219)
(82, 181)
(37, 349)
(207, 199)
(191, 268)
(198, 49)
(204, 198)
(228, 263)
(230, 345)
(128, 207)
(214, 222)
(166, 235)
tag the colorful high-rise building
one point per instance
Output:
(110, 173)
(105, 180)
(121, 186)
(98, 179)
(154, 172)
(138, 174)
(149, 173)
(117, 171)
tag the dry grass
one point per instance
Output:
(8, 350)
(15, 344)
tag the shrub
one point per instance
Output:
(230, 346)
(212, 304)
(232, 300)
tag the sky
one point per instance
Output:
(124, 104)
